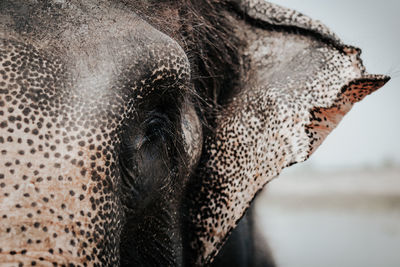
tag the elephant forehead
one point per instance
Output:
(95, 50)
(97, 83)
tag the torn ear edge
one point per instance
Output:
(324, 120)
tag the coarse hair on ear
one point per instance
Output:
(295, 83)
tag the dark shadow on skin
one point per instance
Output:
(245, 247)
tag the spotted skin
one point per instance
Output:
(273, 14)
(58, 161)
(61, 199)
(104, 158)
(297, 87)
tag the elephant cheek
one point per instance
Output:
(53, 209)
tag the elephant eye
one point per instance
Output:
(157, 129)
(145, 157)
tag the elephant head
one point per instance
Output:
(138, 132)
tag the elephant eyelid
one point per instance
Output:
(148, 143)
(158, 126)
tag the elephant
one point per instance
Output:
(138, 132)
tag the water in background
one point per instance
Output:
(330, 219)
(321, 213)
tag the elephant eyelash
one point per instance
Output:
(145, 157)
(158, 126)
(127, 177)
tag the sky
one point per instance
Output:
(369, 135)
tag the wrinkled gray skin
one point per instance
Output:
(129, 136)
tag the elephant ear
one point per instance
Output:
(298, 81)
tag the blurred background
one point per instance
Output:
(342, 206)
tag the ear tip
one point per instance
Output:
(378, 80)
(359, 88)
(386, 78)
(378, 77)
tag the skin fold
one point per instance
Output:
(137, 133)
